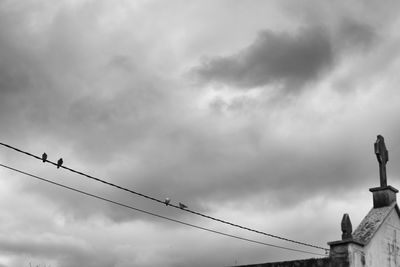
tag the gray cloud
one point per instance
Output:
(44, 245)
(277, 58)
(288, 61)
(354, 35)
(67, 251)
(98, 106)
(85, 86)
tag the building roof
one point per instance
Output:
(371, 223)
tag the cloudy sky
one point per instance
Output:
(262, 113)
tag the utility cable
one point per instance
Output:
(162, 202)
(153, 214)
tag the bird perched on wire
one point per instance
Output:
(167, 201)
(44, 157)
(182, 206)
(59, 163)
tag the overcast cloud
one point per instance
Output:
(274, 58)
(263, 113)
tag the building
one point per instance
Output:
(375, 242)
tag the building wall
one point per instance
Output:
(383, 250)
(323, 262)
(356, 256)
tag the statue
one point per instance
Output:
(383, 157)
(347, 229)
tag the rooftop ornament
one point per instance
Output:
(382, 155)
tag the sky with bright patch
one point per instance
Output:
(262, 113)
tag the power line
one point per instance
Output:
(162, 202)
(154, 214)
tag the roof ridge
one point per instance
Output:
(372, 222)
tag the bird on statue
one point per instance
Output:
(167, 201)
(59, 163)
(182, 206)
(44, 157)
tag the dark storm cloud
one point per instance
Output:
(62, 82)
(277, 58)
(352, 34)
(86, 85)
(288, 60)
(79, 93)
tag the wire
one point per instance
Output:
(153, 214)
(172, 205)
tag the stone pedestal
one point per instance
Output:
(383, 196)
(346, 253)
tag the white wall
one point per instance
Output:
(384, 248)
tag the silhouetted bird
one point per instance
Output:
(182, 206)
(44, 157)
(167, 201)
(59, 163)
